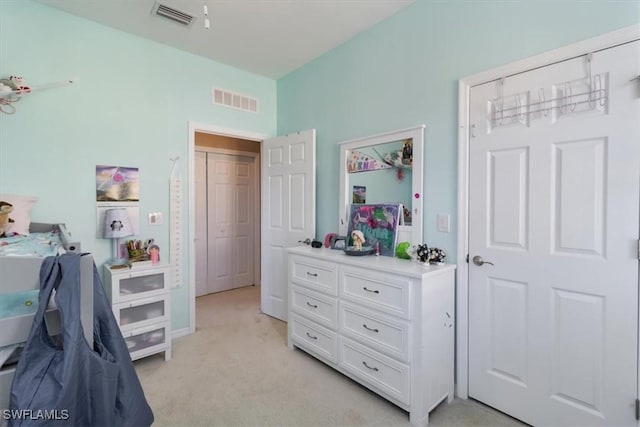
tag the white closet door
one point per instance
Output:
(201, 222)
(554, 205)
(243, 222)
(230, 209)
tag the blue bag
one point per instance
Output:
(69, 383)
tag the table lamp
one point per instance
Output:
(117, 225)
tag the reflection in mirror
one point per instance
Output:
(385, 168)
(379, 174)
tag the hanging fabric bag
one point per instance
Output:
(132, 409)
(68, 383)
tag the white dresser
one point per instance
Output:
(386, 323)
(141, 304)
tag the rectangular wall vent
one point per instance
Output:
(234, 100)
(172, 14)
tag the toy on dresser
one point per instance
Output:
(358, 239)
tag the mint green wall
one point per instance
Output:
(405, 72)
(131, 107)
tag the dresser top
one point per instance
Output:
(383, 263)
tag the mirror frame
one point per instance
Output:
(417, 172)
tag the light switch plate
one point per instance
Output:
(155, 218)
(444, 223)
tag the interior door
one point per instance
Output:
(554, 212)
(230, 211)
(243, 219)
(288, 210)
(201, 222)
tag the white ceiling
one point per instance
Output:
(265, 37)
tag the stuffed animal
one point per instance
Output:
(5, 210)
(4, 89)
(18, 81)
(422, 253)
(402, 250)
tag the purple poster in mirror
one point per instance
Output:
(378, 223)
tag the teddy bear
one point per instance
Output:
(5, 210)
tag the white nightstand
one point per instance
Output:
(140, 298)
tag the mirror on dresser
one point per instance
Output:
(388, 179)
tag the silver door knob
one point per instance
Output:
(477, 260)
(306, 241)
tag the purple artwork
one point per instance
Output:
(378, 223)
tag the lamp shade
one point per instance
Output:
(117, 224)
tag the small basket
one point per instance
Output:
(136, 255)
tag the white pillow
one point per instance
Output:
(21, 213)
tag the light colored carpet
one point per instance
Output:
(237, 370)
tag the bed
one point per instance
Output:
(20, 260)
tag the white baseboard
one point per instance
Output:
(179, 333)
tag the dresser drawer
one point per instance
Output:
(384, 292)
(319, 275)
(148, 340)
(142, 312)
(383, 333)
(314, 305)
(381, 372)
(314, 338)
(127, 285)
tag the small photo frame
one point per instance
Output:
(359, 194)
(338, 242)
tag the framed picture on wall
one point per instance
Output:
(379, 224)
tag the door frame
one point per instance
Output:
(608, 40)
(256, 199)
(191, 149)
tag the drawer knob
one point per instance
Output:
(370, 367)
(311, 336)
(312, 274)
(370, 329)
(311, 305)
(369, 290)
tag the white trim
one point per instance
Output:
(380, 138)
(462, 270)
(623, 35)
(179, 333)
(194, 127)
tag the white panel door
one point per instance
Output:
(243, 218)
(554, 205)
(201, 222)
(288, 210)
(220, 212)
(231, 217)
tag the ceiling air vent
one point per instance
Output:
(234, 100)
(172, 14)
